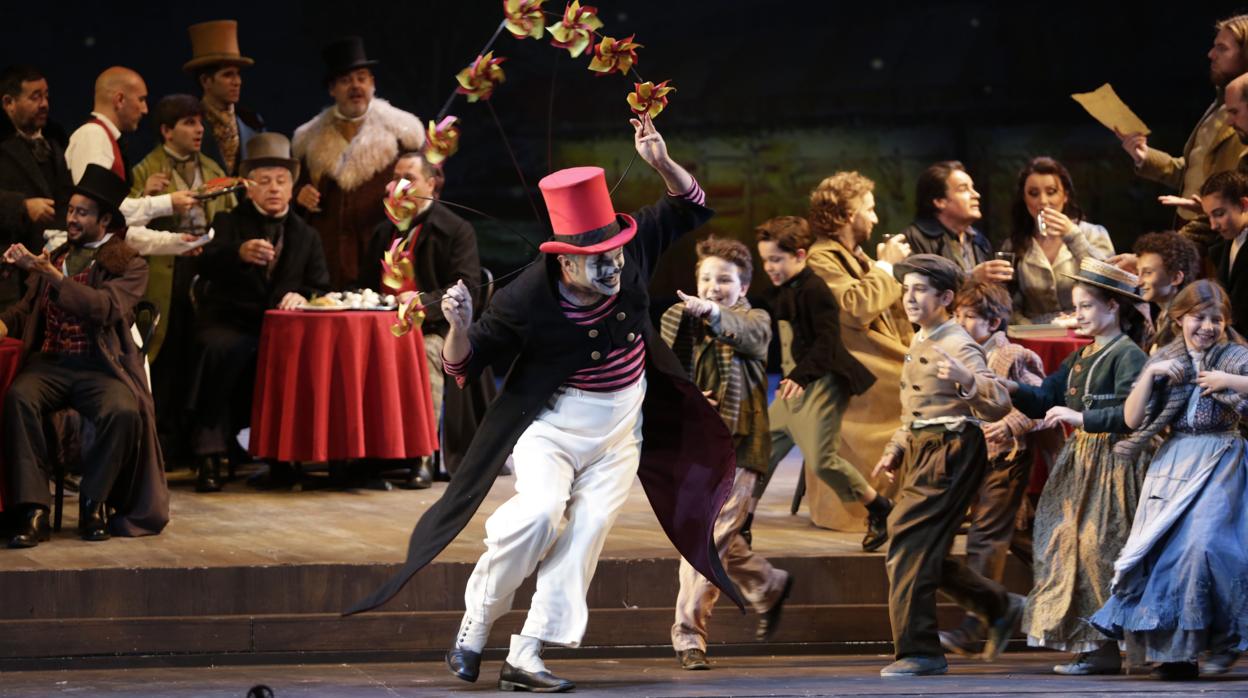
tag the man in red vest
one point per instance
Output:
(120, 103)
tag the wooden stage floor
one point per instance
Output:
(1016, 674)
(243, 526)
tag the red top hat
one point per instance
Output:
(581, 213)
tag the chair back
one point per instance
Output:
(146, 318)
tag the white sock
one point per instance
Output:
(472, 635)
(526, 653)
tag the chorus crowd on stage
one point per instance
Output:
(911, 403)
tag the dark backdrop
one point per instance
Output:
(771, 96)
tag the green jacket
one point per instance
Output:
(160, 274)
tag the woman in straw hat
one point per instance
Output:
(1085, 511)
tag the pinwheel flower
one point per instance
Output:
(575, 31)
(398, 271)
(479, 79)
(648, 98)
(401, 204)
(614, 55)
(441, 140)
(410, 314)
(524, 18)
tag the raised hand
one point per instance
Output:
(1057, 224)
(949, 368)
(1136, 145)
(649, 142)
(457, 306)
(994, 271)
(893, 250)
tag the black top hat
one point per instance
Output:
(105, 188)
(344, 56)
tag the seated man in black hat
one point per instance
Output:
(264, 256)
(77, 351)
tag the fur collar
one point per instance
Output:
(386, 128)
(113, 256)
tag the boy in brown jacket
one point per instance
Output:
(947, 393)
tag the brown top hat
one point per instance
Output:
(268, 149)
(215, 43)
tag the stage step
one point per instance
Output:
(233, 613)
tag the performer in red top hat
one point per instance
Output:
(593, 397)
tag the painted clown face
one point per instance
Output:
(594, 273)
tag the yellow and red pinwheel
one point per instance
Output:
(649, 98)
(614, 55)
(441, 140)
(401, 204)
(479, 79)
(524, 18)
(411, 314)
(575, 31)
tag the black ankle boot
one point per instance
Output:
(420, 476)
(35, 528)
(93, 520)
(209, 478)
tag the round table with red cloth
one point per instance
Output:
(1053, 350)
(10, 355)
(339, 385)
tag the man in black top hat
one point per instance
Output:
(348, 152)
(74, 323)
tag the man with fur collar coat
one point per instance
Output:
(348, 152)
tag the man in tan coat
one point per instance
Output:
(874, 327)
(1212, 146)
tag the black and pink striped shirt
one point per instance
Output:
(622, 366)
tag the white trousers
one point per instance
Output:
(576, 462)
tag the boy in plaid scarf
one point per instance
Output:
(722, 342)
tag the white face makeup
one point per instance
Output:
(597, 273)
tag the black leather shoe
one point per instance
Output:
(209, 478)
(463, 663)
(1176, 671)
(93, 521)
(513, 679)
(770, 621)
(693, 660)
(419, 476)
(35, 529)
(877, 530)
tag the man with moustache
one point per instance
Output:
(347, 152)
(944, 223)
(34, 180)
(1210, 148)
(120, 103)
(588, 372)
(216, 65)
(77, 351)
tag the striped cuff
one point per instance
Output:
(694, 195)
(458, 369)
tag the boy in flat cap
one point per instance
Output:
(947, 392)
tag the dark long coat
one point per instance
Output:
(687, 461)
(106, 303)
(446, 251)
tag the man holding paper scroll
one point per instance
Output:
(1212, 147)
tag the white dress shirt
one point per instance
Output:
(91, 144)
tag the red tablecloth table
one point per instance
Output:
(339, 385)
(1053, 350)
(10, 353)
